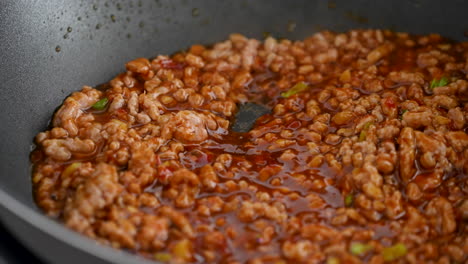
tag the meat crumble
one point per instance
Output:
(362, 159)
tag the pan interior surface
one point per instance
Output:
(50, 49)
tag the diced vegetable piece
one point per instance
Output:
(402, 113)
(394, 252)
(333, 260)
(362, 135)
(101, 104)
(367, 125)
(345, 76)
(182, 250)
(70, 169)
(163, 257)
(444, 81)
(359, 249)
(439, 82)
(349, 199)
(166, 163)
(299, 87)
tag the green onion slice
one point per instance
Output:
(348, 200)
(359, 249)
(299, 87)
(439, 82)
(101, 104)
(394, 252)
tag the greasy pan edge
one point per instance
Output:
(64, 235)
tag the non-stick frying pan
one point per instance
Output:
(50, 48)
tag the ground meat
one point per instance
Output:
(95, 193)
(363, 157)
(407, 154)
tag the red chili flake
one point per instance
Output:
(390, 103)
(170, 64)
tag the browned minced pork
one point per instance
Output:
(363, 157)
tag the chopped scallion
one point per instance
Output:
(359, 249)
(394, 252)
(363, 134)
(402, 113)
(299, 87)
(444, 81)
(367, 125)
(101, 104)
(439, 82)
(349, 200)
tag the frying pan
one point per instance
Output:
(49, 49)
